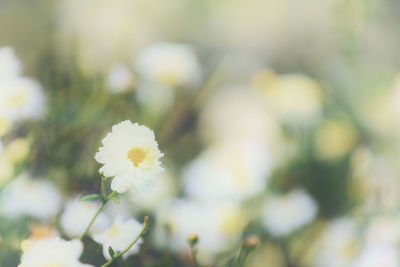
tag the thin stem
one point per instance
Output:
(103, 202)
(193, 253)
(103, 191)
(92, 220)
(145, 223)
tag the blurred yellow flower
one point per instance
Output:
(4, 126)
(17, 150)
(292, 97)
(335, 138)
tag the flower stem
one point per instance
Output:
(145, 223)
(92, 220)
(103, 202)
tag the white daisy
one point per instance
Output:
(52, 252)
(130, 154)
(119, 236)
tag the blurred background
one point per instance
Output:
(278, 119)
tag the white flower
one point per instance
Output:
(383, 229)
(293, 97)
(339, 244)
(21, 98)
(10, 66)
(230, 170)
(218, 225)
(119, 236)
(120, 79)
(237, 113)
(378, 255)
(169, 64)
(130, 154)
(38, 198)
(52, 252)
(77, 215)
(284, 214)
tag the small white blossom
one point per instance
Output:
(339, 244)
(119, 236)
(38, 198)
(230, 170)
(169, 64)
(77, 215)
(284, 214)
(130, 155)
(218, 225)
(52, 252)
(378, 255)
(21, 98)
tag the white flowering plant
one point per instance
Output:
(199, 133)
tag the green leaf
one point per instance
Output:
(116, 199)
(111, 252)
(90, 197)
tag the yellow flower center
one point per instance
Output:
(113, 230)
(15, 100)
(137, 155)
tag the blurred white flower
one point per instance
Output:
(284, 214)
(339, 244)
(21, 98)
(218, 225)
(169, 64)
(383, 229)
(10, 66)
(130, 154)
(120, 79)
(293, 97)
(164, 189)
(24, 195)
(119, 236)
(378, 255)
(77, 215)
(52, 252)
(238, 114)
(229, 170)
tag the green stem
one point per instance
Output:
(146, 219)
(93, 219)
(193, 252)
(103, 202)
